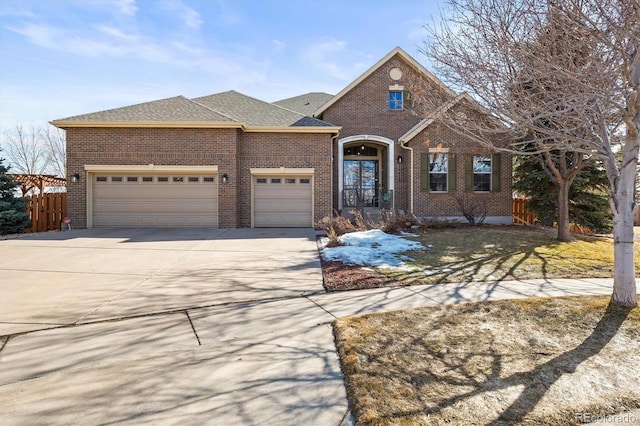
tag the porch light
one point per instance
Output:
(399, 159)
(225, 178)
(75, 178)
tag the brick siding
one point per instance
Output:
(290, 150)
(364, 110)
(233, 151)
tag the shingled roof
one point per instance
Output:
(227, 109)
(305, 104)
(171, 110)
(256, 113)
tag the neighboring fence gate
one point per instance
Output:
(46, 211)
(520, 214)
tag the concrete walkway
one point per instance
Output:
(188, 360)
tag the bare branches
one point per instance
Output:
(539, 67)
(36, 150)
(25, 152)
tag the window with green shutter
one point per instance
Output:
(438, 172)
(482, 173)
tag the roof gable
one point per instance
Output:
(395, 52)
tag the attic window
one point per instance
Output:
(399, 99)
(395, 100)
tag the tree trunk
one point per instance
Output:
(564, 233)
(624, 276)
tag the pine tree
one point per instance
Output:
(588, 197)
(13, 214)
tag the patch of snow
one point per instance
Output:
(408, 234)
(374, 248)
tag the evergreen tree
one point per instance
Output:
(588, 197)
(13, 213)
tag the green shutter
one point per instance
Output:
(468, 173)
(424, 171)
(453, 173)
(496, 172)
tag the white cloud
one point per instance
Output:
(126, 7)
(16, 10)
(189, 16)
(278, 46)
(324, 56)
(107, 41)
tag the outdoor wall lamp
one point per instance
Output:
(75, 178)
(399, 159)
(225, 178)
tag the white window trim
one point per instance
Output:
(490, 173)
(446, 174)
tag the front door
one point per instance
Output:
(360, 183)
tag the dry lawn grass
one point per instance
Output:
(529, 362)
(491, 253)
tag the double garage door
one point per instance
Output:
(158, 200)
(179, 199)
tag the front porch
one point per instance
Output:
(365, 174)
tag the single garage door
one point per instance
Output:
(163, 200)
(282, 201)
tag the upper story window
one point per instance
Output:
(395, 100)
(482, 171)
(438, 170)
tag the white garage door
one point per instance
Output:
(283, 201)
(167, 200)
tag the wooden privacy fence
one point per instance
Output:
(46, 211)
(524, 217)
(520, 214)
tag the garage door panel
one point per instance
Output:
(283, 201)
(293, 220)
(126, 202)
(157, 220)
(283, 206)
(159, 206)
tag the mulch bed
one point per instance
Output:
(339, 276)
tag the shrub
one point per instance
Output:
(474, 210)
(394, 222)
(334, 226)
(434, 223)
(13, 214)
(359, 223)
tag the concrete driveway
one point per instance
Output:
(189, 326)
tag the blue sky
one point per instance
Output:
(60, 58)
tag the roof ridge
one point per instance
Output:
(212, 110)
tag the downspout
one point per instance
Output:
(333, 139)
(411, 167)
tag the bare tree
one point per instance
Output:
(55, 140)
(561, 75)
(36, 150)
(25, 151)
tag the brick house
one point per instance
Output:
(229, 160)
